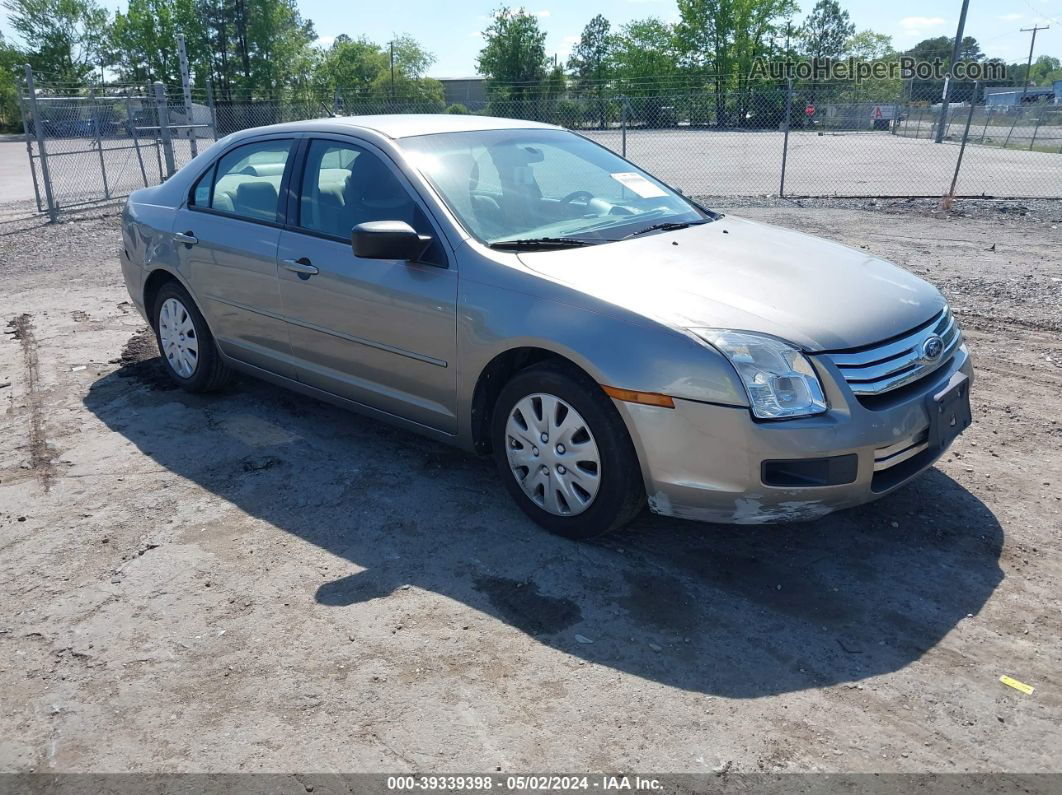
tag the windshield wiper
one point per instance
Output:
(665, 226)
(541, 242)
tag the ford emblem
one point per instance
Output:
(932, 348)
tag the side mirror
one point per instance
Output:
(388, 240)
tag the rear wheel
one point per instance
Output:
(564, 453)
(188, 350)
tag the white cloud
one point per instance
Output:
(919, 23)
(325, 41)
(570, 41)
(916, 27)
(543, 13)
(1011, 17)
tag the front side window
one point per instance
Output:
(508, 185)
(344, 185)
(246, 181)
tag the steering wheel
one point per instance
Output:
(585, 195)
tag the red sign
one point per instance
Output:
(810, 110)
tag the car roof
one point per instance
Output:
(404, 125)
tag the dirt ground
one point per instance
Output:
(253, 581)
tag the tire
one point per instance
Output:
(553, 482)
(189, 353)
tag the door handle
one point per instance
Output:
(186, 237)
(301, 266)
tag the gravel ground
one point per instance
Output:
(257, 582)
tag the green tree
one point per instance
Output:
(258, 49)
(143, 41)
(351, 66)
(940, 47)
(514, 57)
(590, 63)
(411, 59)
(361, 69)
(64, 40)
(866, 45)
(278, 41)
(645, 58)
(826, 31)
(9, 110)
(719, 41)
(969, 50)
(645, 62)
(409, 85)
(1043, 72)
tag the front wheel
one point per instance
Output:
(564, 453)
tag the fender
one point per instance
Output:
(612, 345)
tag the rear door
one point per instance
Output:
(379, 332)
(232, 224)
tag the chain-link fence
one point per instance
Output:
(770, 140)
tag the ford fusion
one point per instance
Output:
(520, 291)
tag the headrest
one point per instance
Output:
(257, 199)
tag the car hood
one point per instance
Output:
(739, 274)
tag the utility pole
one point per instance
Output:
(942, 122)
(1028, 66)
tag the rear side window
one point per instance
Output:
(246, 181)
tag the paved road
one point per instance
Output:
(710, 163)
(700, 162)
(15, 173)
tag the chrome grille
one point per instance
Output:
(880, 368)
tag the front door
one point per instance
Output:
(379, 332)
(230, 259)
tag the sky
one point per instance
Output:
(452, 29)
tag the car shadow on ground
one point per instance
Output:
(732, 611)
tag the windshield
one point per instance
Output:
(523, 185)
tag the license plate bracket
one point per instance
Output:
(949, 412)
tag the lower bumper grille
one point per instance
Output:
(887, 457)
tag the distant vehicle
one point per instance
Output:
(80, 128)
(516, 289)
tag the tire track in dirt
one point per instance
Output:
(41, 454)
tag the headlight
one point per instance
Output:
(778, 378)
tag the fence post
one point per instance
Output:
(962, 146)
(131, 121)
(29, 147)
(623, 124)
(164, 129)
(785, 139)
(99, 142)
(186, 87)
(1020, 112)
(1036, 129)
(213, 109)
(42, 153)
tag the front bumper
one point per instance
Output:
(705, 462)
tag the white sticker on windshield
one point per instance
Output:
(639, 184)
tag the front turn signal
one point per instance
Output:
(645, 398)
